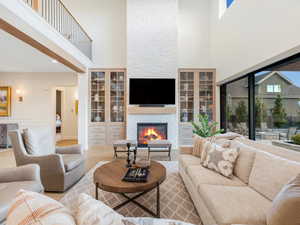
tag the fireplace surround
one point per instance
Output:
(151, 131)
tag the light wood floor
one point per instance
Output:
(93, 156)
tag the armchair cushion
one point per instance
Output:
(71, 161)
(39, 141)
(73, 149)
(29, 172)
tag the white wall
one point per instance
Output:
(194, 34)
(152, 38)
(252, 34)
(152, 51)
(105, 22)
(38, 106)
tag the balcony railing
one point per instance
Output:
(58, 16)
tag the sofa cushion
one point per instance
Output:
(235, 205)
(286, 206)
(71, 161)
(221, 160)
(186, 160)
(29, 208)
(275, 150)
(200, 175)
(245, 160)
(270, 173)
(9, 190)
(39, 141)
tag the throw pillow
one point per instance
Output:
(39, 140)
(30, 208)
(224, 143)
(286, 205)
(198, 145)
(93, 212)
(207, 145)
(221, 160)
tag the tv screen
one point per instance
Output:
(152, 91)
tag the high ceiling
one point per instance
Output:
(17, 56)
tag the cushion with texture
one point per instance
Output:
(245, 161)
(221, 160)
(286, 205)
(235, 205)
(270, 173)
(30, 208)
(71, 161)
(93, 212)
(9, 190)
(39, 141)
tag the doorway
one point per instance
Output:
(66, 114)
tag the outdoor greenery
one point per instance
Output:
(278, 113)
(260, 112)
(205, 127)
(296, 139)
(241, 112)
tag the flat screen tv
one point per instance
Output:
(151, 92)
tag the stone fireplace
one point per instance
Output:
(151, 131)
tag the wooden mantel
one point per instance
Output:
(151, 110)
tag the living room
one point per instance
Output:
(149, 112)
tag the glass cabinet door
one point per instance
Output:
(206, 104)
(186, 96)
(97, 96)
(117, 96)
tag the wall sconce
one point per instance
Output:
(20, 95)
(76, 106)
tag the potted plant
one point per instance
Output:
(206, 128)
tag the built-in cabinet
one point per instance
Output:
(107, 106)
(196, 95)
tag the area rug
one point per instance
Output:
(175, 200)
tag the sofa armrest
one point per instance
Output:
(186, 149)
(73, 149)
(29, 172)
(49, 163)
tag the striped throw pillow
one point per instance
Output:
(30, 208)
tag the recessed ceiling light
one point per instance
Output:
(54, 61)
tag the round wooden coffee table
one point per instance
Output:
(109, 178)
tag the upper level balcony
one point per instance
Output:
(59, 17)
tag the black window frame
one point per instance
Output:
(251, 94)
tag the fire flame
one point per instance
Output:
(150, 134)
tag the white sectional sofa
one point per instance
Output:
(260, 173)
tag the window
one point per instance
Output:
(264, 105)
(273, 88)
(229, 2)
(237, 107)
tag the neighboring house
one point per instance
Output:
(268, 86)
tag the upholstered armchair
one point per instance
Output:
(12, 180)
(61, 167)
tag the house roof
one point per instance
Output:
(261, 78)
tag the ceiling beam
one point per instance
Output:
(40, 47)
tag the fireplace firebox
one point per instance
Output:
(151, 131)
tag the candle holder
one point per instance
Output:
(128, 155)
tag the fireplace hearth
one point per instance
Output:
(151, 131)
